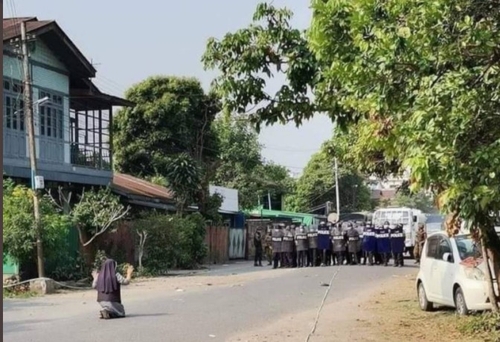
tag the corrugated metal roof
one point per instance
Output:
(129, 185)
(55, 38)
(12, 26)
(307, 219)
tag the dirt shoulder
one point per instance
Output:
(399, 318)
(389, 312)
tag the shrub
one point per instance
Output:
(19, 238)
(171, 242)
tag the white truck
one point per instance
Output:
(410, 218)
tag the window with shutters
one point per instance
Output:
(13, 111)
(51, 116)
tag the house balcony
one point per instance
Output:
(73, 146)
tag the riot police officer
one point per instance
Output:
(287, 248)
(257, 242)
(277, 239)
(369, 243)
(268, 246)
(301, 244)
(384, 243)
(338, 240)
(361, 254)
(353, 243)
(312, 239)
(397, 237)
(323, 241)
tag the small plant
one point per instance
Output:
(100, 257)
(486, 325)
(19, 291)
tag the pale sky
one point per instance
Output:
(132, 40)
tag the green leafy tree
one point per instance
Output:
(171, 120)
(172, 115)
(241, 165)
(316, 186)
(418, 200)
(183, 177)
(415, 85)
(19, 239)
(250, 56)
(239, 157)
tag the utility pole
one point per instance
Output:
(337, 193)
(30, 125)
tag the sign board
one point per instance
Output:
(39, 182)
(230, 198)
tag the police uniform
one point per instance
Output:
(384, 243)
(302, 246)
(312, 239)
(277, 238)
(353, 244)
(398, 244)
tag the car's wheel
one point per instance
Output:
(425, 305)
(460, 304)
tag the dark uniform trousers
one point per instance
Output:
(312, 257)
(301, 258)
(398, 259)
(371, 257)
(277, 260)
(339, 256)
(258, 257)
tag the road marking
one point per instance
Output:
(322, 304)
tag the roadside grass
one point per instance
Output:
(400, 318)
(486, 325)
(19, 292)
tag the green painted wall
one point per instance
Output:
(9, 266)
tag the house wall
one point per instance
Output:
(51, 75)
(44, 78)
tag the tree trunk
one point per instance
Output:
(491, 290)
(492, 248)
(88, 252)
(142, 242)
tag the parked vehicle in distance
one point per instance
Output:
(452, 273)
(434, 223)
(408, 217)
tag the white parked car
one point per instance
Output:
(448, 274)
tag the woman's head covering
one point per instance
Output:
(106, 281)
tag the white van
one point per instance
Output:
(408, 217)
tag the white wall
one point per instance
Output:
(230, 202)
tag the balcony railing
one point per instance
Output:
(90, 157)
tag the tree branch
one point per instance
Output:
(116, 216)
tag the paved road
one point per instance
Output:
(212, 314)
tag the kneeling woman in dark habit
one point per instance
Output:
(107, 282)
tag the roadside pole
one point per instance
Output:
(28, 110)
